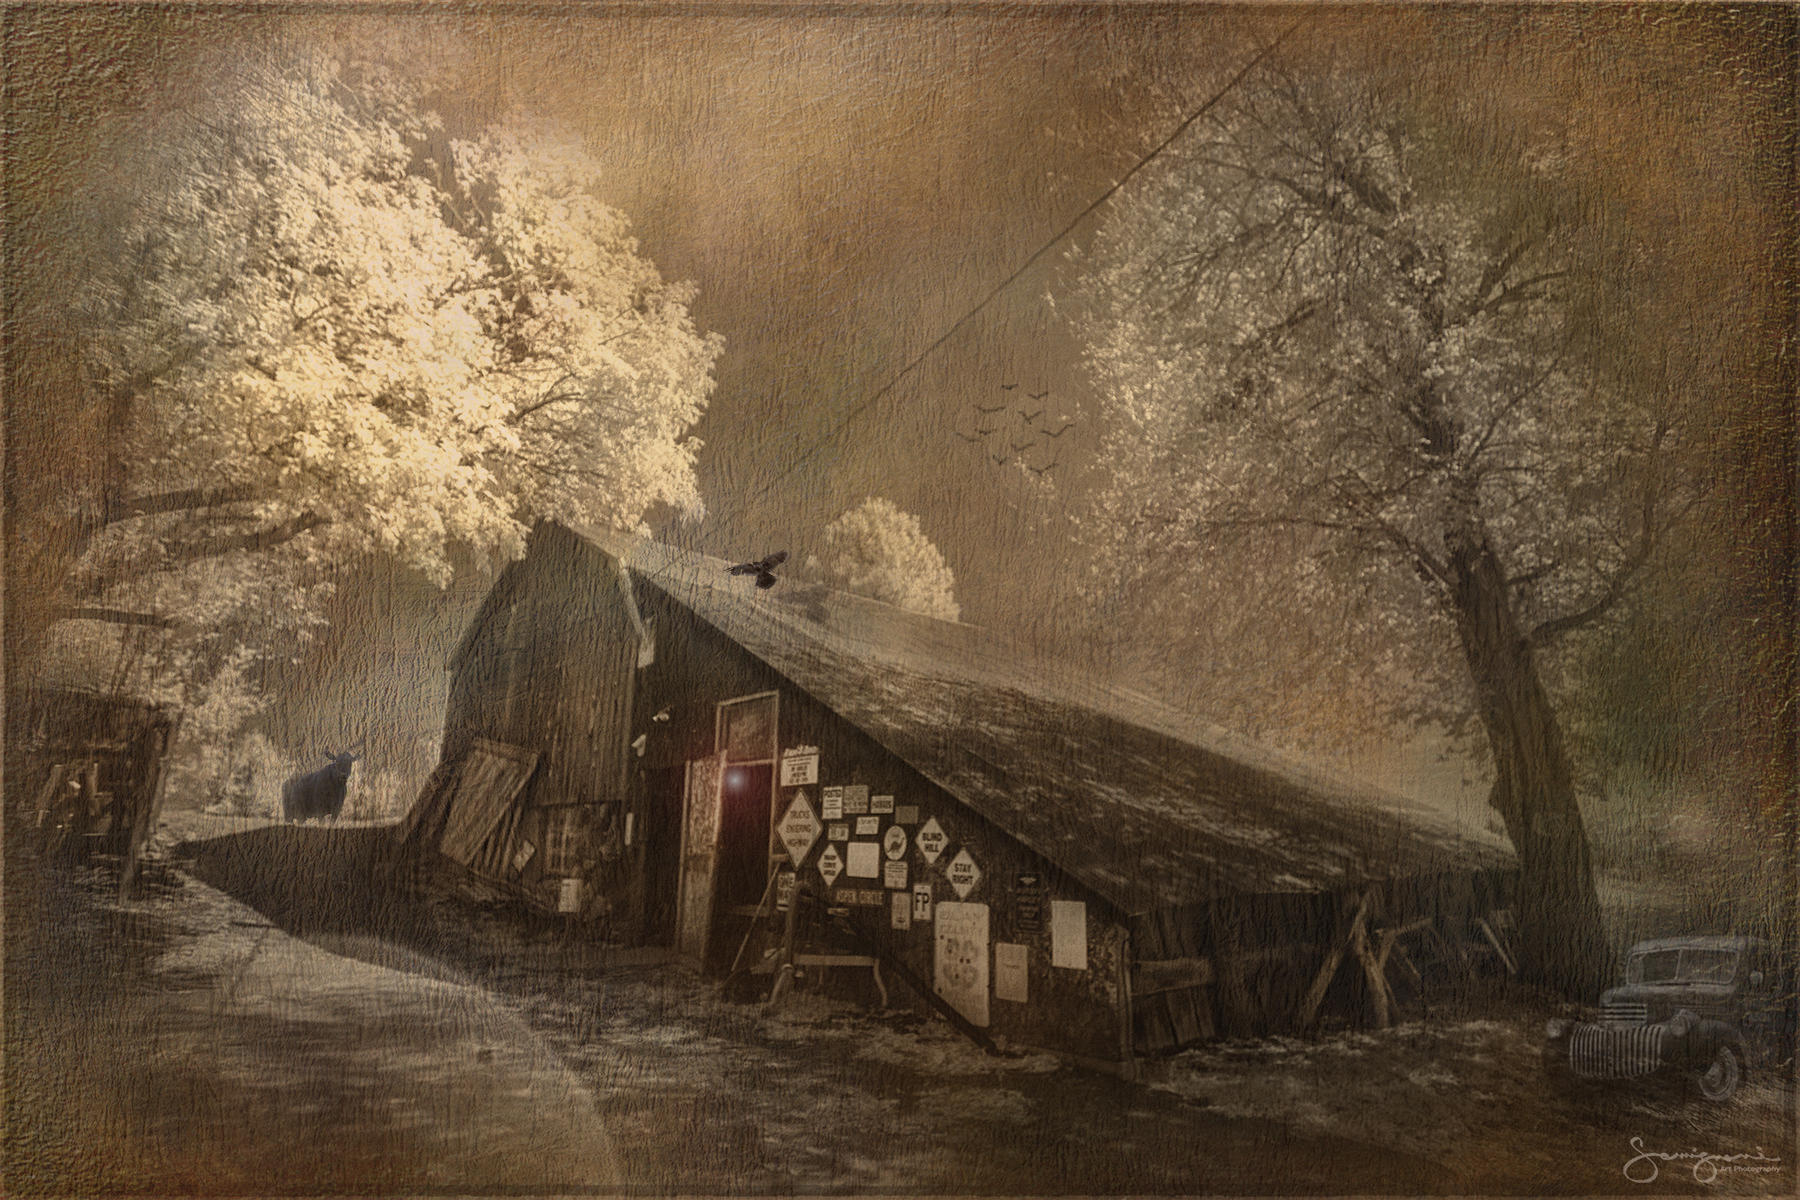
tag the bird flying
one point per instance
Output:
(1038, 395)
(1070, 425)
(983, 409)
(1007, 387)
(1031, 416)
(763, 569)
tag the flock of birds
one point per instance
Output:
(1019, 431)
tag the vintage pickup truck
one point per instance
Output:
(1704, 1009)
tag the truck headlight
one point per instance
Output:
(1556, 1027)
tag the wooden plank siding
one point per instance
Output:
(550, 665)
(1277, 942)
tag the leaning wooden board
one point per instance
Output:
(490, 776)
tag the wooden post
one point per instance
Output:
(47, 795)
(1494, 941)
(1418, 981)
(763, 911)
(1315, 995)
(784, 973)
(1378, 988)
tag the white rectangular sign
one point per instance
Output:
(864, 861)
(1010, 959)
(961, 959)
(799, 766)
(921, 902)
(1068, 934)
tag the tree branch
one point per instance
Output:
(260, 539)
(1556, 627)
(162, 503)
(114, 616)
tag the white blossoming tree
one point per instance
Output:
(323, 327)
(876, 550)
(1349, 344)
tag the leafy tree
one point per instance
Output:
(321, 327)
(325, 323)
(1367, 348)
(876, 550)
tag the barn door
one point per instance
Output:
(703, 799)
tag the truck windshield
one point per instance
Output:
(1682, 966)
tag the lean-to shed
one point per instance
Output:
(1068, 864)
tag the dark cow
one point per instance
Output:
(318, 793)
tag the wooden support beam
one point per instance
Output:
(1389, 937)
(1315, 995)
(1378, 988)
(1487, 931)
(46, 798)
(1405, 962)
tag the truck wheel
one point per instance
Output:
(1719, 1081)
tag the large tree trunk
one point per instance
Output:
(1561, 941)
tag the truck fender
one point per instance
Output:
(1708, 1035)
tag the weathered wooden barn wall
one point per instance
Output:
(549, 665)
(1263, 951)
(697, 668)
(1075, 1010)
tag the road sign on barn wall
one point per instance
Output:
(799, 828)
(964, 874)
(931, 840)
(921, 902)
(831, 865)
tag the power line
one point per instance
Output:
(1023, 267)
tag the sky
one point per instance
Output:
(845, 183)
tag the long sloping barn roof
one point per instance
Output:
(1146, 806)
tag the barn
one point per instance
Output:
(638, 738)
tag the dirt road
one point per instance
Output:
(311, 1032)
(190, 1046)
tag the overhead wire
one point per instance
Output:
(1036, 256)
(1032, 260)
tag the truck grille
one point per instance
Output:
(1620, 1012)
(1598, 1052)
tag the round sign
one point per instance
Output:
(894, 842)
